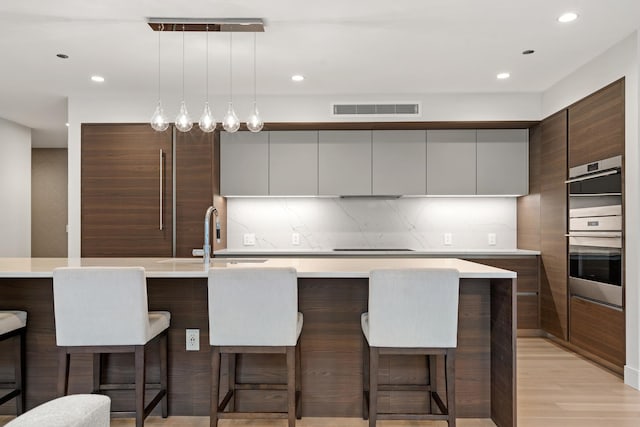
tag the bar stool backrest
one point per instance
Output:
(413, 308)
(98, 306)
(253, 306)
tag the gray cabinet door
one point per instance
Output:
(503, 161)
(244, 164)
(451, 162)
(399, 162)
(293, 163)
(344, 163)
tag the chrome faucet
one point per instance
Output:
(206, 249)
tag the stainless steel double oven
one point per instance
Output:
(595, 232)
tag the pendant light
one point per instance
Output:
(254, 122)
(183, 120)
(207, 122)
(230, 122)
(159, 121)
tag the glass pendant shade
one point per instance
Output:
(254, 122)
(207, 122)
(230, 122)
(183, 120)
(159, 121)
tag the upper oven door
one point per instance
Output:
(596, 257)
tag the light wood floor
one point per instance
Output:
(556, 388)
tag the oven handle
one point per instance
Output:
(596, 234)
(595, 175)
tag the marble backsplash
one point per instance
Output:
(408, 222)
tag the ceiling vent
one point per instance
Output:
(376, 110)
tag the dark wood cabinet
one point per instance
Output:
(553, 225)
(596, 125)
(528, 286)
(599, 329)
(126, 191)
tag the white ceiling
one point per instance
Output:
(342, 47)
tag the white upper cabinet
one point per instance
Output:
(399, 162)
(244, 164)
(293, 163)
(344, 163)
(503, 162)
(451, 162)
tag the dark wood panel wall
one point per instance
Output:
(596, 125)
(120, 191)
(331, 344)
(528, 233)
(553, 225)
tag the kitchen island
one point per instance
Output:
(332, 295)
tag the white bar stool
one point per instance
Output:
(76, 410)
(254, 310)
(411, 312)
(104, 310)
(13, 325)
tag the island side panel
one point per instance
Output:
(503, 352)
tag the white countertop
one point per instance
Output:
(458, 253)
(329, 267)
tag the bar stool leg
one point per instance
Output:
(215, 385)
(97, 372)
(291, 385)
(433, 381)
(164, 350)
(365, 380)
(451, 386)
(373, 385)
(20, 372)
(140, 383)
(232, 360)
(63, 371)
(298, 382)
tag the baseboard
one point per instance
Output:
(632, 377)
(528, 333)
(618, 370)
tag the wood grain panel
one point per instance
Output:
(596, 125)
(120, 194)
(528, 312)
(331, 345)
(528, 233)
(194, 188)
(553, 226)
(599, 330)
(525, 266)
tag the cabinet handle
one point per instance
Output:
(161, 179)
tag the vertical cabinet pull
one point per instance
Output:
(161, 195)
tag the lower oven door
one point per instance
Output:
(595, 266)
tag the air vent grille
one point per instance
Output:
(393, 109)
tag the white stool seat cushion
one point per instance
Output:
(412, 308)
(253, 307)
(76, 410)
(12, 320)
(101, 306)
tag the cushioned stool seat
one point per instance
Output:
(105, 310)
(411, 312)
(254, 310)
(78, 410)
(13, 325)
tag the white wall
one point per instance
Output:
(138, 107)
(408, 222)
(619, 61)
(15, 190)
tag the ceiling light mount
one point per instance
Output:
(233, 25)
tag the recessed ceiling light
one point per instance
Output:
(297, 78)
(503, 76)
(97, 79)
(62, 56)
(528, 52)
(568, 17)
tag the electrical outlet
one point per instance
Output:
(193, 339)
(447, 239)
(249, 239)
(295, 239)
(491, 239)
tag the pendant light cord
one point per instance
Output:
(254, 68)
(207, 79)
(161, 29)
(230, 67)
(183, 63)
